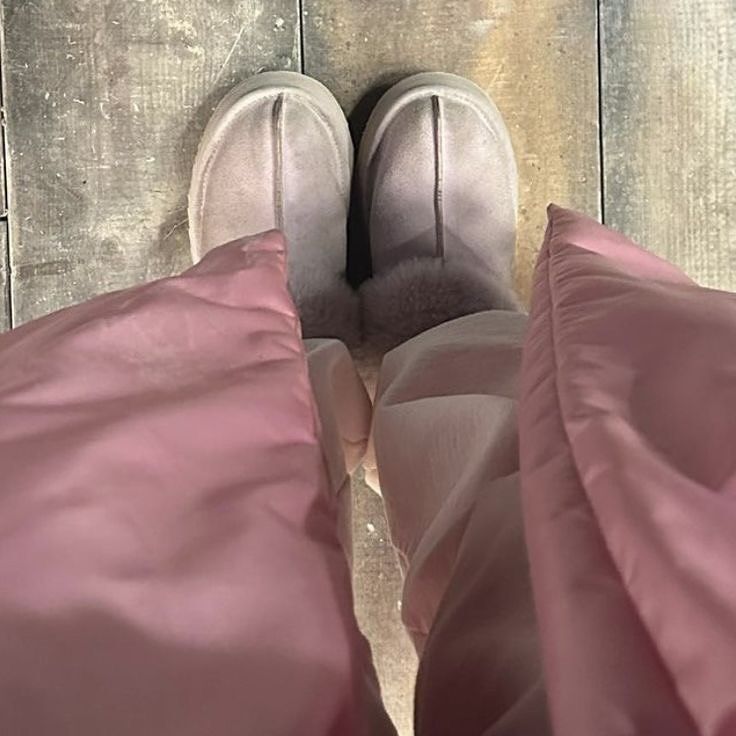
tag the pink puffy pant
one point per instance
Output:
(175, 487)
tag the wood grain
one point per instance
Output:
(106, 101)
(3, 189)
(539, 62)
(5, 307)
(669, 135)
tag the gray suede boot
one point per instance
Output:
(439, 193)
(277, 153)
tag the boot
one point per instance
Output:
(277, 154)
(438, 186)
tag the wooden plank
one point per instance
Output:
(669, 104)
(3, 182)
(3, 189)
(106, 101)
(5, 308)
(539, 62)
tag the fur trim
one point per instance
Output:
(422, 293)
(330, 311)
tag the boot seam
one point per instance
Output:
(439, 209)
(277, 131)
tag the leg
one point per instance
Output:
(628, 483)
(169, 562)
(169, 555)
(439, 189)
(446, 446)
(278, 154)
(345, 417)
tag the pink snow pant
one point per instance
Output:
(173, 508)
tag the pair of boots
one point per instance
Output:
(438, 190)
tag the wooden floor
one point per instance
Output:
(622, 108)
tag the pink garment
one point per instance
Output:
(175, 503)
(445, 442)
(169, 561)
(627, 424)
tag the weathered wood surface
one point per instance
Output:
(669, 106)
(106, 101)
(539, 61)
(5, 308)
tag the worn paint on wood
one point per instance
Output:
(669, 135)
(538, 61)
(106, 101)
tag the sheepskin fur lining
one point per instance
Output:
(331, 311)
(421, 293)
